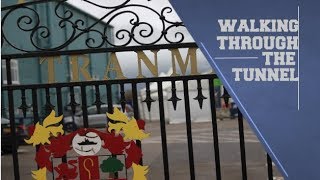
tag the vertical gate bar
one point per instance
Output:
(200, 97)
(148, 100)
(35, 110)
(98, 101)
(13, 135)
(3, 109)
(24, 107)
(163, 132)
(48, 106)
(8, 71)
(84, 106)
(12, 123)
(214, 129)
(242, 146)
(110, 110)
(122, 97)
(270, 168)
(189, 132)
(174, 99)
(35, 106)
(136, 110)
(73, 104)
(46, 109)
(60, 112)
(59, 101)
(109, 98)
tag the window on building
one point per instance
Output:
(14, 72)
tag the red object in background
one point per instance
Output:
(31, 130)
(89, 167)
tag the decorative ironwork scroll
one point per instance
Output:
(139, 30)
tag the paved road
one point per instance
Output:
(178, 153)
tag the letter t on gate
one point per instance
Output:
(51, 72)
(75, 68)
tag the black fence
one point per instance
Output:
(33, 89)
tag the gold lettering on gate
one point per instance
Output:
(191, 57)
(74, 61)
(152, 67)
(21, 1)
(113, 65)
(51, 67)
(75, 70)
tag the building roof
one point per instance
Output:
(12, 5)
(88, 14)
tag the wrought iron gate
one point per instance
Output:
(38, 32)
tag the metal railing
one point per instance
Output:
(34, 89)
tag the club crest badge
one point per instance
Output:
(89, 153)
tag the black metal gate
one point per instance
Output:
(37, 31)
